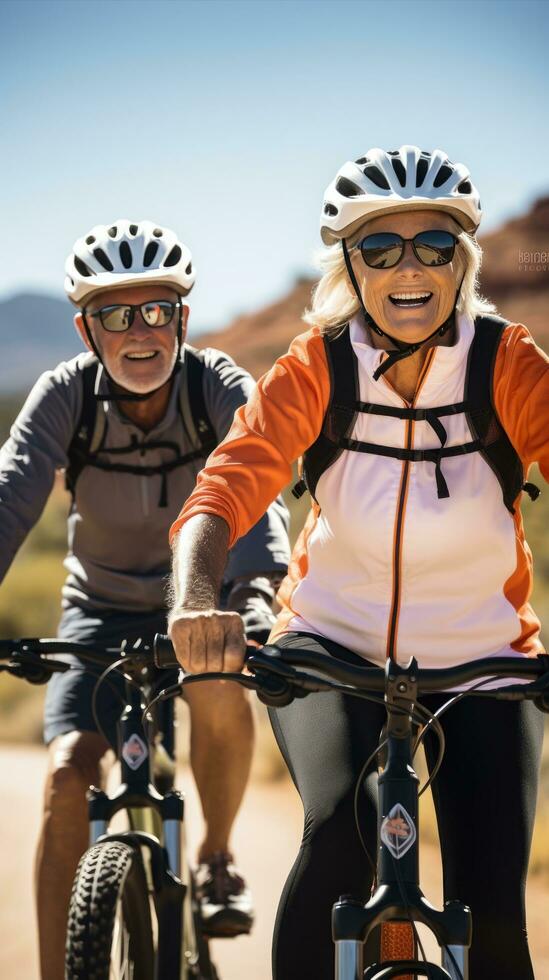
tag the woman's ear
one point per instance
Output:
(81, 330)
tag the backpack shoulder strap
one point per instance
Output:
(495, 445)
(480, 367)
(340, 413)
(192, 405)
(90, 429)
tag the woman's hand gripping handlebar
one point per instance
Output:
(207, 640)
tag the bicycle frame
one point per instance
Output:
(398, 895)
(156, 823)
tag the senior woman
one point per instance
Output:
(414, 545)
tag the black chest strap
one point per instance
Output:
(489, 438)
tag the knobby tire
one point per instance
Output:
(109, 893)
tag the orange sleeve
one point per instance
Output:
(281, 419)
(521, 395)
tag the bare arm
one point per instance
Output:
(204, 638)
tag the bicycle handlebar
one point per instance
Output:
(273, 669)
(281, 662)
(35, 660)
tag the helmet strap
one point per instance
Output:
(133, 396)
(403, 349)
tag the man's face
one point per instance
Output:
(141, 358)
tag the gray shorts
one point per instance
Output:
(69, 695)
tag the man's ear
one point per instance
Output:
(185, 310)
(81, 330)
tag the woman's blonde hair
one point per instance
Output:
(334, 300)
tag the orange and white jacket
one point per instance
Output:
(383, 566)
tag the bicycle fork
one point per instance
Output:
(398, 896)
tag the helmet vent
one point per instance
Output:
(392, 153)
(90, 240)
(421, 170)
(347, 188)
(133, 229)
(174, 257)
(103, 259)
(377, 177)
(331, 210)
(126, 256)
(150, 252)
(400, 171)
(112, 231)
(465, 187)
(362, 160)
(444, 173)
(189, 269)
(157, 232)
(81, 267)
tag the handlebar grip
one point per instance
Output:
(164, 653)
(7, 648)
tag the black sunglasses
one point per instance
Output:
(120, 316)
(384, 250)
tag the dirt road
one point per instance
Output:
(266, 841)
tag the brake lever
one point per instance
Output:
(30, 666)
(271, 664)
(538, 690)
(275, 683)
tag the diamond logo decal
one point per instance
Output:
(134, 752)
(398, 831)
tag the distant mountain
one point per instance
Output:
(36, 332)
(515, 271)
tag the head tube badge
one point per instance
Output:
(398, 831)
(134, 752)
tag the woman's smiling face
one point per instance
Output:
(380, 287)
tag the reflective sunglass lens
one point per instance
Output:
(157, 314)
(116, 318)
(381, 251)
(434, 247)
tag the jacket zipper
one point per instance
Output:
(399, 524)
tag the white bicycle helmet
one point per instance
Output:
(397, 180)
(124, 254)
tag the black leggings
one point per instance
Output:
(485, 799)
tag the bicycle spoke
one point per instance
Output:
(121, 966)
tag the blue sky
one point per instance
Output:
(226, 121)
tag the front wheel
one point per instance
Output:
(109, 931)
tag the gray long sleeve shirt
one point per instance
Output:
(118, 552)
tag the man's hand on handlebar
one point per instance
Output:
(207, 640)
